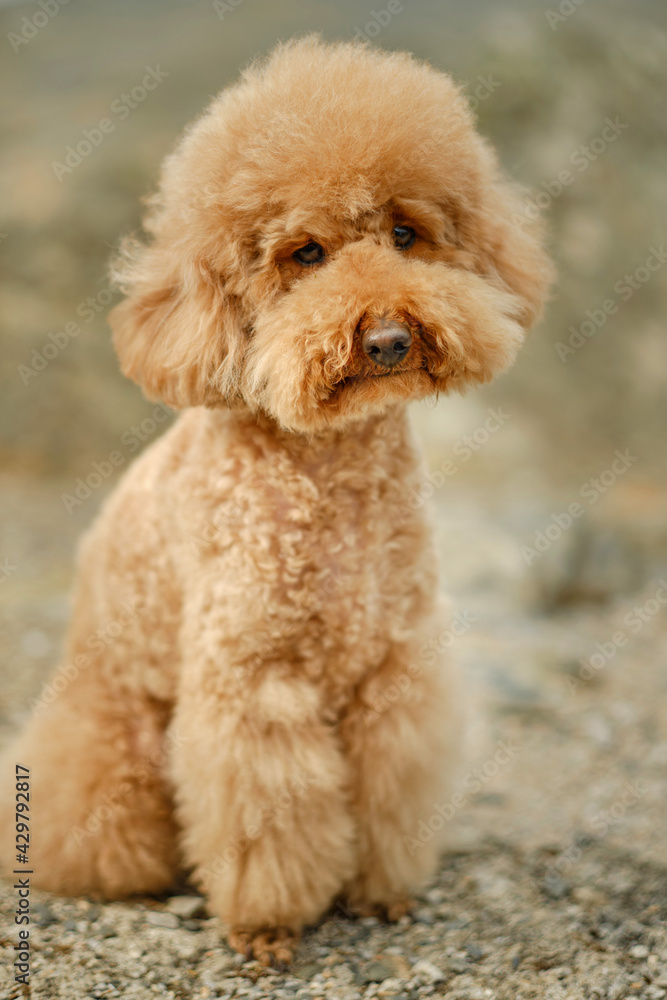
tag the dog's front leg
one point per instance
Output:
(401, 737)
(261, 792)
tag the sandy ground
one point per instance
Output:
(554, 885)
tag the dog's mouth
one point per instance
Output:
(366, 376)
(400, 377)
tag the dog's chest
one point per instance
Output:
(344, 563)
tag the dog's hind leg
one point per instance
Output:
(100, 816)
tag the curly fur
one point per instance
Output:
(280, 581)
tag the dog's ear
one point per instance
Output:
(177, 332)
(510, 241)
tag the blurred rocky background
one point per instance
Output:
(549, 488)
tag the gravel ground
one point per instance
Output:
(554, 883)
(491, 926)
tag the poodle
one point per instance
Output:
(251, 694)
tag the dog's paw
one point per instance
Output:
(271, 947)
(400, 907)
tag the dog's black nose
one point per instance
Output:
(387, 342)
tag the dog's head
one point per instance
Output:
(331, 237)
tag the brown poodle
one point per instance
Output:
(330, 240)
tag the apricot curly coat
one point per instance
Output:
(271, 579)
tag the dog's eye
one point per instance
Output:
(312, 253)
(404, 237)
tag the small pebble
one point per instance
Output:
(105, 930)
(375, 972)
(427, 971)
(561, 971)
(43, 915)
(390, 988)
(158, 918)
(555, 888)
(186, 907)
